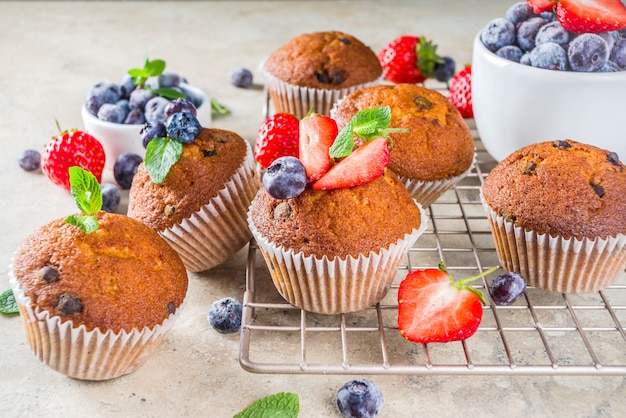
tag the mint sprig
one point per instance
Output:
(153, 68)
(161, 155)
(278, 405)
(88, 196)
(367, 124)
(8, 305)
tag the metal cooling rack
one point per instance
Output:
(543, 333)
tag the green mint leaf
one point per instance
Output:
(371, 123)
(344, 143)
(217, 108)
(168, 93)
(278, 405)
(88, 223)
(86, 190)
(8, 305)
(154, 68)
(161, 155)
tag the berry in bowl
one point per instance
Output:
(118, 114)
(544, 72)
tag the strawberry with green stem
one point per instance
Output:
(409, 59)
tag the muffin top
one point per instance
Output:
(439, 144)
(563, 188)
(324, 60)
(204, 167)
(338, 222)
(120, 277)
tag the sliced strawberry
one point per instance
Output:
(461, 92)
(540, 6)
(317, 134)
(364, 164)
(584, 16)
(72, 148)
(277, 137)
(432, 307)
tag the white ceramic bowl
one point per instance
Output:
(516, 105)
(117, 138)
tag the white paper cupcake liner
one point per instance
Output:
(82, 354)
(335, 286)
(218, 229)
(557, 264)
(299, 101)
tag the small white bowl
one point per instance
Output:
(118, 138)
(516, 105)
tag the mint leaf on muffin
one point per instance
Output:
(88, 196)
(279, 405)
(8, 305)
(161, 155)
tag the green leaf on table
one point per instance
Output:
(8, 305)
(278, 405)
(161, 155)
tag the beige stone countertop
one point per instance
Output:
(52, 52)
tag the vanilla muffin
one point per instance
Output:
(95, 306)
(438, 150)
(557, 212)
(200, 208)
(337, 251)
(311, 71)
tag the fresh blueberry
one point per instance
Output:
(498, 33)
(510, 52)
(550, 56)
(111, 112)
(618, 53)
(152, 130)
(610, 67)
(127, 85)
(169, 80)
(225, 315)
(152, 82)
(519, 12)
(525, 59)
(359, 398)
(240, 77)
(104, 92)
(587, 52)
(29, 160)
(111, 197)
(93, 104)
(179, 105)
(125, 168)
(139, 97)
(527, 31)
(507, 288)
(444, 70)
(124, 105)
(183, 127)
(154, 109)
(285, 178)
(191, 95)
(135, 117)
(552, 32)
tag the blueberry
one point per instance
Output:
(618, 53)
(285, 178)
(179, 105)
(152, 82)
(525, 59)
(111, 112)
(507, 288)
(139, 97)
(550, 56)
(29, 160)
(127, 85)
(510, 52)
(191, 95)
(225, 315)
(183, 127)
(587, 52)
(527, 31)
(135, 117)
(240, 77)
(154, 109)
(111, 197)
(610, 67)
(125, 168)
(104, 92)
(151, 131)
(519, 12)
(359, 398)
(93, 104)
(169, 80)
(498, 33)
(609, 38)
(444, 70)
(552, 32)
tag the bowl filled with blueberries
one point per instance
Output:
(547, 71)
(120, 114)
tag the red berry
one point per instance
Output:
(317, 135)
(72, 148)
(277, 137)
(540, 6)
(580, 16)
(461, 92)
(408, 59)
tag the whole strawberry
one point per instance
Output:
(72, 148)
(277, 137)
(408, 59)
(461, 92)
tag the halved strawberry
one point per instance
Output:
(364, 164)
(72, 148)
(317, 134)
(433, 307)
(540, 6)
(277, 137)
(584, 16)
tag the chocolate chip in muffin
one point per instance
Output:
(561, 144)
(334, 78)
(599, 190)
(345, 40)
(282, 212)
(209, 152)
(171, 307)
(169, 210)
(423, 103)
(613, 159)
(48, 274)
(531, 169)
(69, 304)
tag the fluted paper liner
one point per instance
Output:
(557, 264)
(218, 229)
(335, 286)
(299, 101)
(82, 354)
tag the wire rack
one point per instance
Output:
(543, 333)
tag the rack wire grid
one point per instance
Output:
(543, 333)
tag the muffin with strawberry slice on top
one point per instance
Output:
(334, 224)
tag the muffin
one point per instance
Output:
(313, 70)
(200, 207)
(337, 251)
(556, 211)
(95, 306)
(437, 151)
